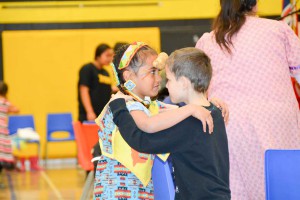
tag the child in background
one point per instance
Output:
(122, 172)
(201, 161)
(6, 157)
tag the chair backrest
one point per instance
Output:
(282, 173)
(60, 122)
(164, 188)
(90, 132)
(20, 121)
(83, 151)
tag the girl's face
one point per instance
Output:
(106, 57)
(147, 79)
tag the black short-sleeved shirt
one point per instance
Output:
(99, 84)
(201, 160)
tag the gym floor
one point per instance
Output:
(59, 183)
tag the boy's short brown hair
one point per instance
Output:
(193, 64)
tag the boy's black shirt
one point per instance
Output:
(201, 160)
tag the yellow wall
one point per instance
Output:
(41, 69)
(119, 10)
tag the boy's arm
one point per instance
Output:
(169, 140)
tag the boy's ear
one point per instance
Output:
(186, 83)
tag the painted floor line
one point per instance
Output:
(52, 186)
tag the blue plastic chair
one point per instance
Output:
(164, 188)
(282, 171)
(20, 121)
(16, 122)
(58, 122)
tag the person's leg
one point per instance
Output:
(1, 177)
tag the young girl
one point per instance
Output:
(6, 157)
(122, 172)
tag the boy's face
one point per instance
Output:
(175, 87)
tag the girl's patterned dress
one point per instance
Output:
(113, 180)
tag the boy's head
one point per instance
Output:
(3, 88)
(188, 65)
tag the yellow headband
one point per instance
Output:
(129, 53)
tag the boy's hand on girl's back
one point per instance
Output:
(222, 106)
(119, 95)
(204, 116)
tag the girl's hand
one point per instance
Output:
(205, 117)
(119, 95)
(223, 107)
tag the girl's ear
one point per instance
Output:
(126, 75)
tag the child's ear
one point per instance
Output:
(186, 83)
(126, 75)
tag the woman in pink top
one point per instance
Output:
(252, 60)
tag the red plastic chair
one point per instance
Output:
(86, 137)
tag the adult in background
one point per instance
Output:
(252, 60)
(95, 84)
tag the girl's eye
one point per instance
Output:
(154, 71)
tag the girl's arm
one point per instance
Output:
(223, 106)
(13, 109)
(169, 118)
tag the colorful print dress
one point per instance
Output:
(122, 172)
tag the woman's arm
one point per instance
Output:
(169, 118)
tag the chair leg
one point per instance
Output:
(88, 186)
(46, 154)
(22, 161)
(34, 163)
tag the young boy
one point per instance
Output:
(200, 160)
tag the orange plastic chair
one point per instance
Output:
(91, 134)
(86, 137)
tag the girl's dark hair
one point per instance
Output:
(230, 20)
(101, 48)
(3, 88)
(137, 61)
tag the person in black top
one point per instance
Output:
(94, 86)
(201, 160)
